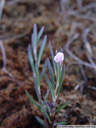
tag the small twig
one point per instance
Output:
(12, 122)
(18, 82)
(74, 56)
(4, 65)
(84, 8)
(83, 73)
(12, 2)
(63, 4)
(79, 2)
(79, 85)
(73, 13)
(2, 3)
(82, 83)
(7, 72)
(86, 42)
(92, 62)
(3, 54)
(8, 89)
(14, 37)
(85, 80)
(93, 88)
(88, 46)
(4, 59)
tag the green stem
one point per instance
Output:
(55, 91)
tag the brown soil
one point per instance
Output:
(16, 110)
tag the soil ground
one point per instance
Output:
(16, 110)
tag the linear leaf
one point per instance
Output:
(61, 50)
(42, 49)
(45, 98)
(38, 105)
(61, 81)
(52, 55)
(37, 75)
(31, 58)
(61, 123)
(49, 84)
(45, 66)
(49, 109)
(40, 33)
(40, 121)
(36, 87)
(44, 69)
(58, 72)
(32, 41)
(35, 41)
(35, 35)
(51, 73)
(61, 107)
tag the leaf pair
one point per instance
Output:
(49, 85)
(35, 64)
(35, 40)
(36, 37)
(43, 124)
(39, 106)
(62, 106)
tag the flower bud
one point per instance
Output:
(59, 57)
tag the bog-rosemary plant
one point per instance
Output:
(57, 70)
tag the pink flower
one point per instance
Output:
(59, 57)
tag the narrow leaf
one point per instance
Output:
(39, 106)
(49, 84)
(58, 72)
(31, 58)
(40, 33)
(61, 50)
(35, 35)
(36, 87)
(52, 55)
(61, 107)
(37, 75)
(45, 66)
(61, 81)
(49, 109)
(32, 100)
(42, 49)
(44, 69)
(40, 121)
(45, 98)
(61, 123)
(51, 73)
(32, 41)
